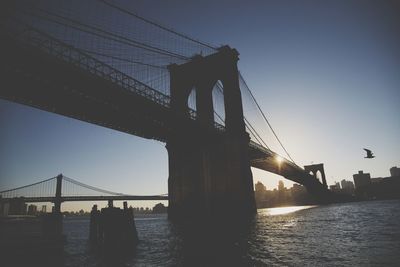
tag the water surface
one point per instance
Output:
(358, 234)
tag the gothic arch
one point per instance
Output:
(316, 169)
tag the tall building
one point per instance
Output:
(394, 171)
(17, 206)
(335, 187)
(298, 189)
(347, 185)
(260, 193)
(260, 187)
(281, 186)
(361, 179)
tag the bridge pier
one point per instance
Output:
(209, 170)
(209, 178)
(113, 228)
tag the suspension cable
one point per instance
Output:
(265, 118)
(21, 187)
(247, 123)
(123, 10)
(91, 187)
(255, 133)
(122, 59)
(106, 35)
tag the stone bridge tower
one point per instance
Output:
(314, 169)
(209, 171)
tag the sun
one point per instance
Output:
(278, 158)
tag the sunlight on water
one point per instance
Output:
(283, 210)
(348, 234)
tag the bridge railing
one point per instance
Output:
(74, 56)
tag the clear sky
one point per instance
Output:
(326, 73)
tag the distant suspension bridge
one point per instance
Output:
(60, 189)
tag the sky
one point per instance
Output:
(326, 73)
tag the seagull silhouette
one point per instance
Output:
(370, 155)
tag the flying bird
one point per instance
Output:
(370, 155)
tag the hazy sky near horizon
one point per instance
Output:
(326, 73)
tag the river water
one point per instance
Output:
(351, 234)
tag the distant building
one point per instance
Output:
(32, 209)
(159, 208)
(347, 187)
(44, 208)
(298, 189)
(281, 186)
(361, 179)
(260, 187)
(335, 187)
(376, 180)
(379, 187)
(260, 194)
(296, 195)
(395, 172)
(4, 208)
(17, 206)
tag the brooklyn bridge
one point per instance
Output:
(100, 63)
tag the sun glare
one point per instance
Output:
(278, 158)
(285, 210)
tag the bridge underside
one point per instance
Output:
(34, 78)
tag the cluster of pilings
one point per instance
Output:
(113, 227)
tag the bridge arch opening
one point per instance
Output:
(318, 175)
(191, 102)
(218, 102)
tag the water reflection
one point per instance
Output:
(283, 210)
(213, 243)
(358, 234)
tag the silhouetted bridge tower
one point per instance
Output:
(208, 171)
(58, 59)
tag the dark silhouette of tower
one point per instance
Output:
(314, 168)
(58, 200)
(209, 170)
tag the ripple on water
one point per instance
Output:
(359, 234)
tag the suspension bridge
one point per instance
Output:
(61, 189)
(100, 62)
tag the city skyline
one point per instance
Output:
(328, 93)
